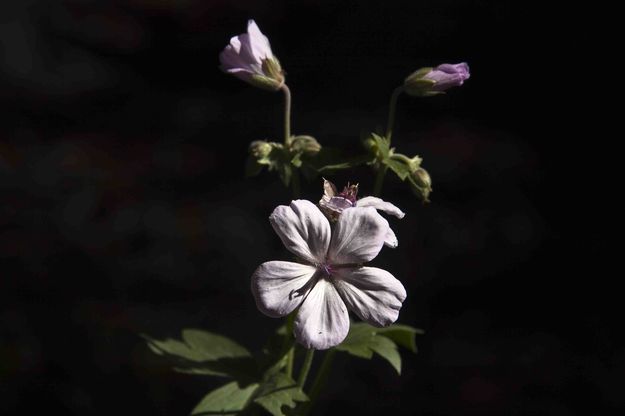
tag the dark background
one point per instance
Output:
(124, 208)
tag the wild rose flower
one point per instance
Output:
(432, 81)
(333, 204)
(329, 278)
(249, 57)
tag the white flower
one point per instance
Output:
(330, 278)
(249, 57)
(333, 204)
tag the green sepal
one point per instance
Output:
(418, 74)
(264, 82)
(378, 146)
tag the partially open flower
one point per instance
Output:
(431, 81)
(249, 57)
(329, 278)
(333, 204)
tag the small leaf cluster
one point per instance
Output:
(282, 158)
(407, 169)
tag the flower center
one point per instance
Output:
(350, 192)
(326, 269)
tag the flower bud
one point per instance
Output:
(305, 144)
(426, 82)
(249, 58)
(422, 183)
(260, 149)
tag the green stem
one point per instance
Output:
(391, 112)
(320, 380)
(295, 183)
(287, 114)
(303, 372)
(288, 339)
(379, 180)
(289, 361)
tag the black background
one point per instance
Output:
(124, 208)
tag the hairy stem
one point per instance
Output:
(303, 372)
(320, 380)
(295, 183)
(391, 112)
(379, 180)
(288, 340)
(287, 114)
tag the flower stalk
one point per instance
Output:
(320, 381)
(303, 374)
(287, 114)
(391, 111)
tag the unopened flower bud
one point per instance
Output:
(260, 149)
(306, 144)
(422, 183)
(426, 82)
(370, 144)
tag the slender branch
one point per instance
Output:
(287, 114)
(391, 112)
(288, 338)
(295, 183)
(303, 372)
(379, 180)
(320, 380)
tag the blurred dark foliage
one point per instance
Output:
(124, 209)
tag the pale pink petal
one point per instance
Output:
(280, 286)
(303, 229)
(377, 203)
(391, 239)
(258, 42)
(371, 293)
(322, 321)
(358, 236)
(247, 51)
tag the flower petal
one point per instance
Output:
(358, 236)
(391, 239)
(377, 203)
(371, 293)
(303, 229)
(258, 42)
(322, 321)
(280, 286)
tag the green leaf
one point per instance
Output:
(387, 349)
(214, 346)
(363, 340)
(229, 399)
(202, 352)
(277, 391)
(401, 169)
(358, 340)
(402, 335)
